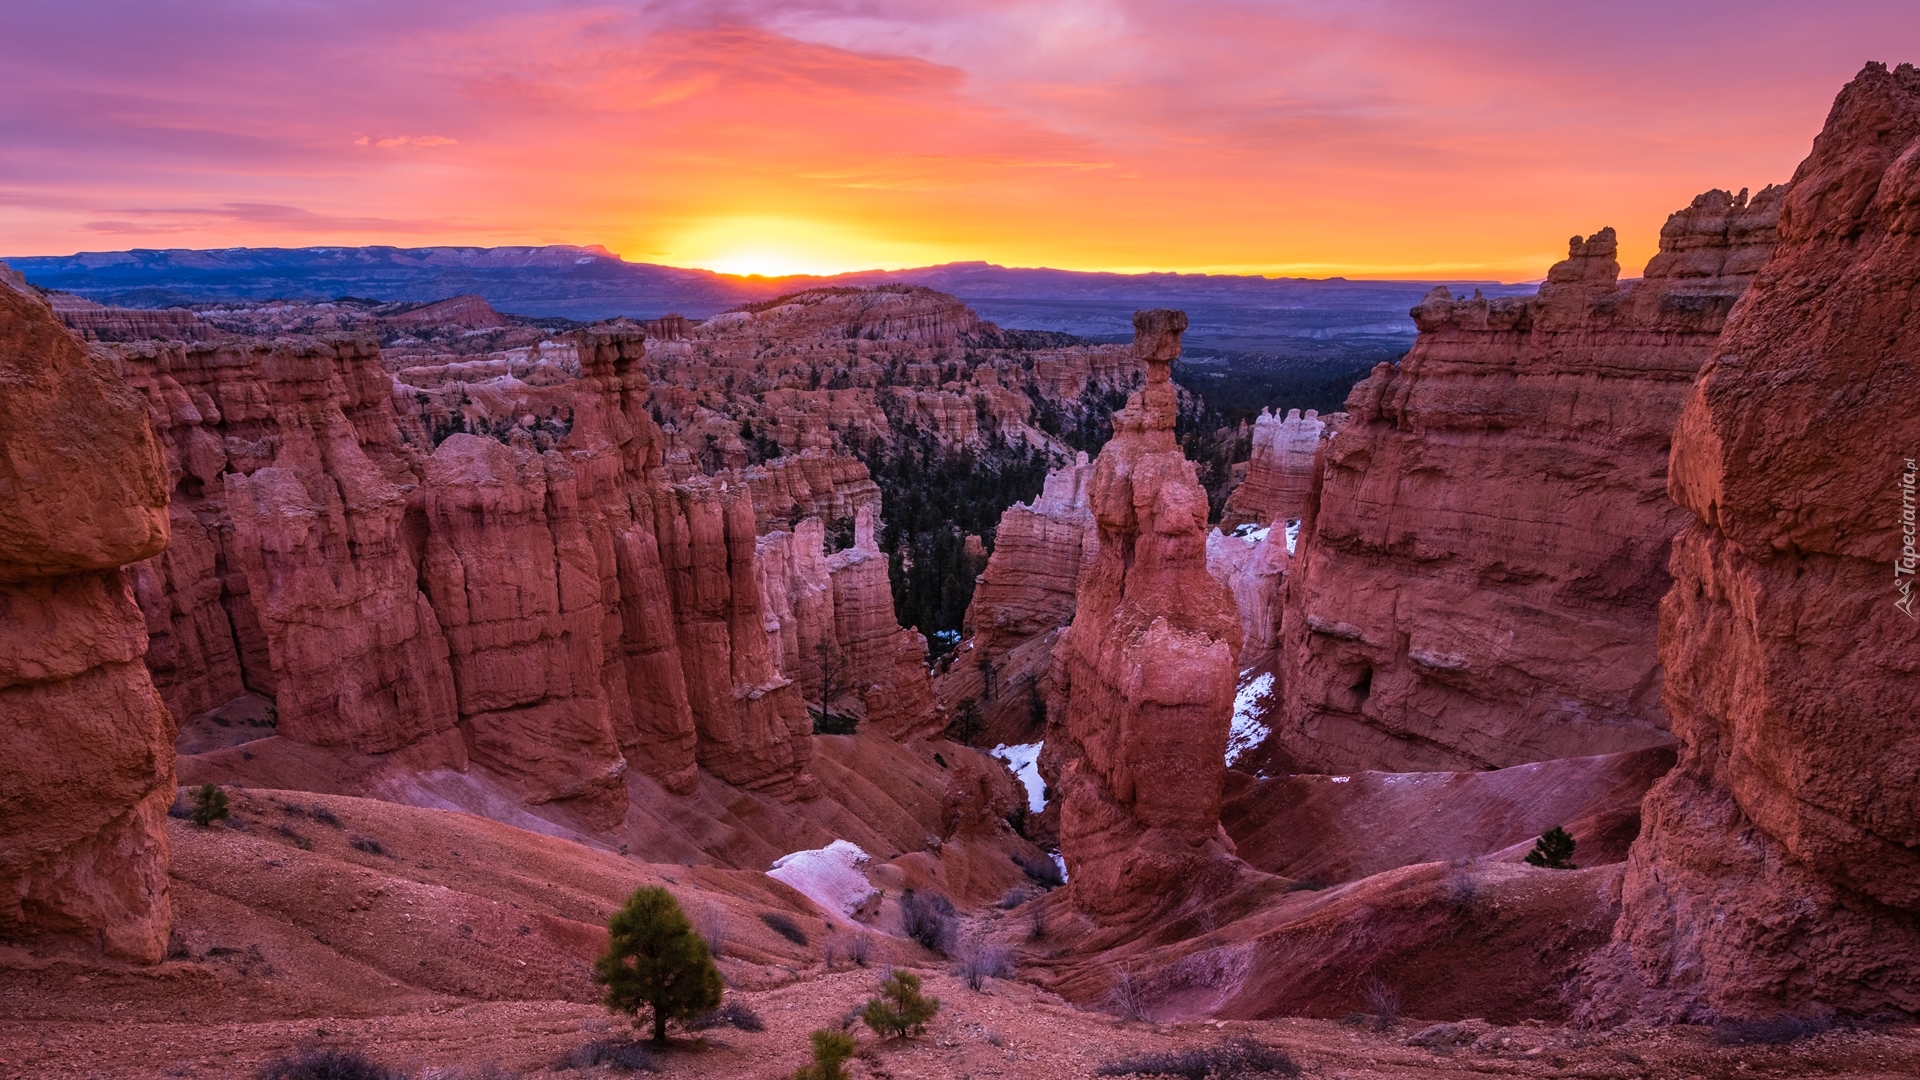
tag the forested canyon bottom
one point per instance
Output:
(882, 638)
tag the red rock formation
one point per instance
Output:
(1144, 678)
(358, 657)
(88, 772)
(1000, 674)
(833, 487)
(886, 664)
(1283, 471)
(1479, 587)
(1780, 868)
(514, 582)
(1252, 564)
(97, 322)
(831, 620)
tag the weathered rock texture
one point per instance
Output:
(1282, 471)
(1023, 601)
(1144, 678)
(88, 772)
(1780, 867)
(1252, 564)
(1480, 585)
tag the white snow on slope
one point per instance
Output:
(1024, 759)
(829, 876)
(1250, 704)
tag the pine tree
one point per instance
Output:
(1554, 850)
(209, 805)
(655, 960)
(900, 1009)
(830, 1049)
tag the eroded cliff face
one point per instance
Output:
(88, 772)
(1283, 470)
(1778, 871)
(1479, 586)
(1023, 602)
(550, 603)
(1144, 678)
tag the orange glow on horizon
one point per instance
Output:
(1287, 139)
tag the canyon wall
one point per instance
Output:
(88, 773)
(1479, 587)
(999, 676)
(1144, 678)
(1282, 471)
(1779, 869)
(503, 558)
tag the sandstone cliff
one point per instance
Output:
(1282, 472)
(1479, 586)
(1024, 600)
(1144, 678)
(88, 772)
(1778, 871)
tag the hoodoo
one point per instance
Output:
(1144, 678)
(88, 771)
(1779, 869)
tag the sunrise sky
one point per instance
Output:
(1382, 138)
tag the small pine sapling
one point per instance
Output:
(830, 1050)
(209, 805)
(1554, 850)
(900, 1009)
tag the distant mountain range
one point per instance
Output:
(1230, 314)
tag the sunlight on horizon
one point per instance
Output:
(777, 246)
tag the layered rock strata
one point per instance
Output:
(1283, 470)
(557, 613)
(1779, 871)
(1480, 585)
(88, 774)
(999, 676)
(1144, 678)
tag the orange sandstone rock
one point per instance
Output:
(1779, 871)
(1144, 678)
(88, 773)
(1479, 587)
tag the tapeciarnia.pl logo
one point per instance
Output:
(1904, 566)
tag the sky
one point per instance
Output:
(1365, 138)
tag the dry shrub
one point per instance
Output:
(928, 918)
(1232, 1058)
(734, 1014)
(980, 961)
(613, 1054)
(1382, 1001)
(326, 1064)
(859, 948)
(781, 923)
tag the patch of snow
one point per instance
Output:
(1060, 861)
(1293, 535)
(1251, 533)
(1339, 779)
(1024, 760)
(1250, 704)
(831, 877)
